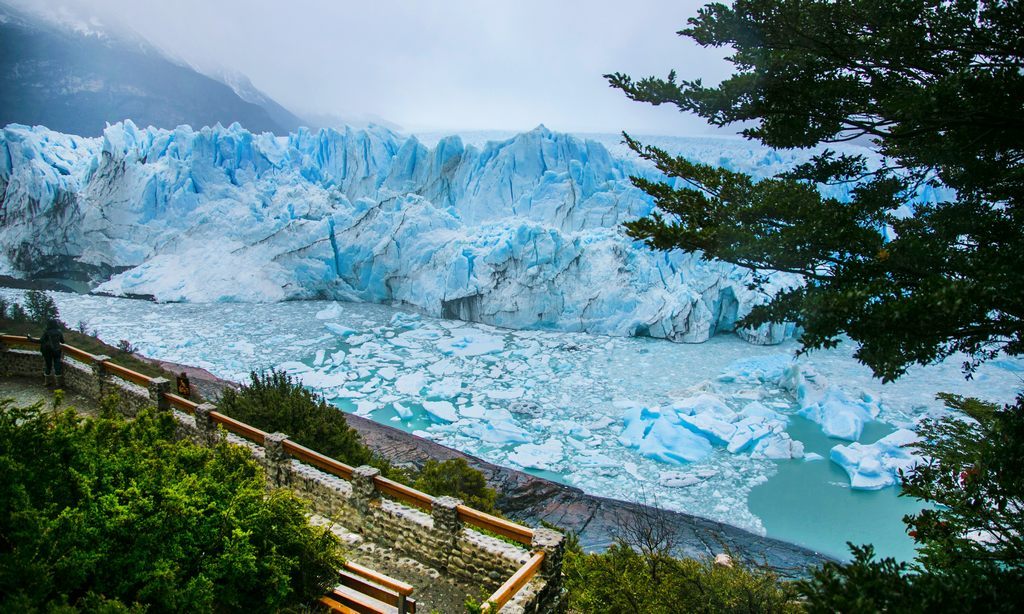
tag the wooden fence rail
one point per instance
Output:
(514, 584)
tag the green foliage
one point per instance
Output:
(937, 87)
(41, 307)
(975, 475)
(620, 580)
(455, 478)
(115, 515)
(274, 402)
(869, 585)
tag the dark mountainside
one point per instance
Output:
(76, 83)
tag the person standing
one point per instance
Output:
(50, 346)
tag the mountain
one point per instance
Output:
(520, 233)
(76, 80)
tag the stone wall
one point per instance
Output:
(437, 538)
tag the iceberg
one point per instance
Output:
(840, 414)
(876, 466)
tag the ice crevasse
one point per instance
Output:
(520, 233)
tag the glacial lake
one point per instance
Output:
(554, 404)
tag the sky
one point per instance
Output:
(442, 65)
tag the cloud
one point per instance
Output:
(457, 64)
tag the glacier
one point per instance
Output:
(523, 233)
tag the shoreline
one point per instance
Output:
(533, 500)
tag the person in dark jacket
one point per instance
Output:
(50, 346)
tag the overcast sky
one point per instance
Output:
(438, 65)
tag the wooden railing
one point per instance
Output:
(389, 488)
(514, 584)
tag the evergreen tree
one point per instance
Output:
(938, 88)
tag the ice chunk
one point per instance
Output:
(446, 388)
(505, 393)
(839, 414)
(440, 411)
(339, 330)
(403, 412)
(778, 446)
(470, 342)
(410, 384)
(547, 455)
(498, 431)
(669, 443)
(332, 312)
(876, 466)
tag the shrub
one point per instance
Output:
(455, 478)
(619, 580)
(125, 346)
(113, 515)
(273, 401)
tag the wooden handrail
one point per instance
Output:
(181, 403)
(328, 464)
(403, 493)
(239, 428)
(18, 340)
(378, 578)
(82, 355)
(502, 527)
(127, 374)
(513, 585)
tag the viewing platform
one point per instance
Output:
(406, 551)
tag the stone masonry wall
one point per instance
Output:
(437, 539)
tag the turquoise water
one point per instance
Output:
(810, 502)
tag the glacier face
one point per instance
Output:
(520, 233)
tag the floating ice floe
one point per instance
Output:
(876, 466)
(840, 414)
(547, 455)
(687, 431)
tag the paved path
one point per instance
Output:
(26, 391)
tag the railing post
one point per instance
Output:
(552, 543)
(208, 432)
(364, 490)
(158, 386)
(100, 375)
(445, 512)
(277, 459)
(447, 526)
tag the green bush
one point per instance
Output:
(455, 478)
(620, 580)
(115, 515)
(274, 402)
